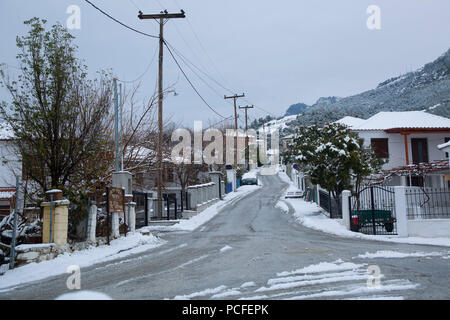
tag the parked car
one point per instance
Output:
(249, 181)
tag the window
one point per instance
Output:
(381, 147)
(415, 181)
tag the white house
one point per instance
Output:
(407, 142)
(10, 164)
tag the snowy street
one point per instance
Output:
(252, 249)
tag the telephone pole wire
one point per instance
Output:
(162, 18)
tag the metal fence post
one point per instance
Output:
(14, 233)
(346, 208)
(400, 211)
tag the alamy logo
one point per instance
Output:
(374, 279)
(74, 280)
(374, 19)
(74, 20)
(213, 146)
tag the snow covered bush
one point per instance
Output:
(333, 157)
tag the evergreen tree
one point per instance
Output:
(332, 157)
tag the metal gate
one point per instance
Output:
(141, 200)
(171, 206)
(372, 211)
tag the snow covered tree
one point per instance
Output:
(333, 157)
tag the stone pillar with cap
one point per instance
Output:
(217, 178)
(92, 222)
(130, 213)
(56, 218)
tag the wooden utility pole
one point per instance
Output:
(235, 120)
(247, 157)
(161, 18)
(235, 109)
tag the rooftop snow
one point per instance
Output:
(351, 121)
(406, 119)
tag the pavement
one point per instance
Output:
(254, 243)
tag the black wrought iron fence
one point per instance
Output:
(428, 203)
(330, 204)
(372, 211)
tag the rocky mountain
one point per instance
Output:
(425, 89)
(296, 109)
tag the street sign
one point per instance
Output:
(295, 166)
(116, 200)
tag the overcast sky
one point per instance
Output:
(277, 52)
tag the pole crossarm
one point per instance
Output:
(162, 15)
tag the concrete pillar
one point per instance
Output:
(57, 220)
(115, 225)
(216, 177)
(223, 189)
(214, 191)
(131, 216)
(92, 222)
(400, 211)
(203, 191)
(192, 198)
(317, 195)
(346, 208)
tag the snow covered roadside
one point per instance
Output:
(207, 214)
(119, 248)
(310, 215)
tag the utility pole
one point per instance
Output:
(116, 126)
(235, 120)
(247, 160)
(161, 18)
(235, 109)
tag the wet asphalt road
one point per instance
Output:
(264, 241)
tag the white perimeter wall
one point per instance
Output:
(429, 228)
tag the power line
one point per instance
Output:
(203, 48)
(121, 23)
(187, 64)
(145, 71)
(188, 80)
(187, 61)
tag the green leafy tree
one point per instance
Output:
(333, 157)
(59, 117)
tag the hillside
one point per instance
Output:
(425, 89)
(296, 109)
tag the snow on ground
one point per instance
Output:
(248, 284)
(83, 295)
(337, 265)
(283, 206)
(396, 254)
(226, 248)
(201, 293)
(250, 175)
(335, 280)
(310, 215)
(119, 248)
(207, 214)
(226, 294)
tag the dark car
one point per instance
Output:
(249, 181)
